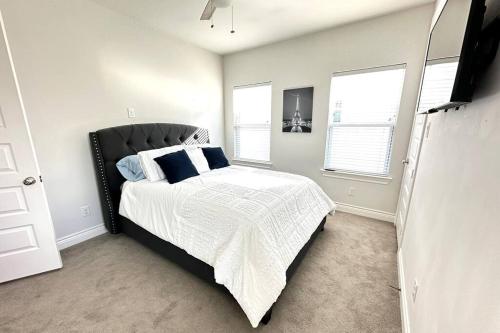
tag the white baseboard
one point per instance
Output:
(80, 236)
(405, 320)
(366, 212)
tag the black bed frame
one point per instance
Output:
(109, 145)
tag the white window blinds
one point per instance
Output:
(439, 78)
(363, 110)
(252, 122)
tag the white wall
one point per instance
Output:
(311, 60)
(452, 238)
(79, 67)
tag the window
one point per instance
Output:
(363, 110)
(438, 83)
(252, 122)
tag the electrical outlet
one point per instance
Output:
(414, 290)
(85, 211)
(131, 112)
(351, 191)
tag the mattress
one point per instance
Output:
(249, 224)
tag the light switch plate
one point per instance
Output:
(131, 112)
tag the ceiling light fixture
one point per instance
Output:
(211, 6)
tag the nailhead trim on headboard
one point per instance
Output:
(112, 226)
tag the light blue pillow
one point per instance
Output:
(130, 168)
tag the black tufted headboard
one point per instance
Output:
(109, 145)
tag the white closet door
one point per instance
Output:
(411, 163)
(27, 241)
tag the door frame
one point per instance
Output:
(415, 114)
(400, 235)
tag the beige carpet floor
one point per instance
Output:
(113, 284)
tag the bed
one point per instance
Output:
(230, 226)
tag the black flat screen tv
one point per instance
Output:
(463, 87)
(454, 61)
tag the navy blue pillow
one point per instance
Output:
(177, 166)
(215, 157)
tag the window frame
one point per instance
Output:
(379, 178)
(236, 125)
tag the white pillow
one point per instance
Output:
(200, 162)
(151, 169)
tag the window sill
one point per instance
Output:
(252, 163)
(360, 177)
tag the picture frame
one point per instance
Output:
(297, 110)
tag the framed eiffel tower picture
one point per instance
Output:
(297, 110)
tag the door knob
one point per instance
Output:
(406, 161)
(29, 181)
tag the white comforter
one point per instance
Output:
(247, 223)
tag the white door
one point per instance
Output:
(411, 163)
(27, 242)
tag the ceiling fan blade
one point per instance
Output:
(208, 11)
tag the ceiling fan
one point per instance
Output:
(211, 6)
